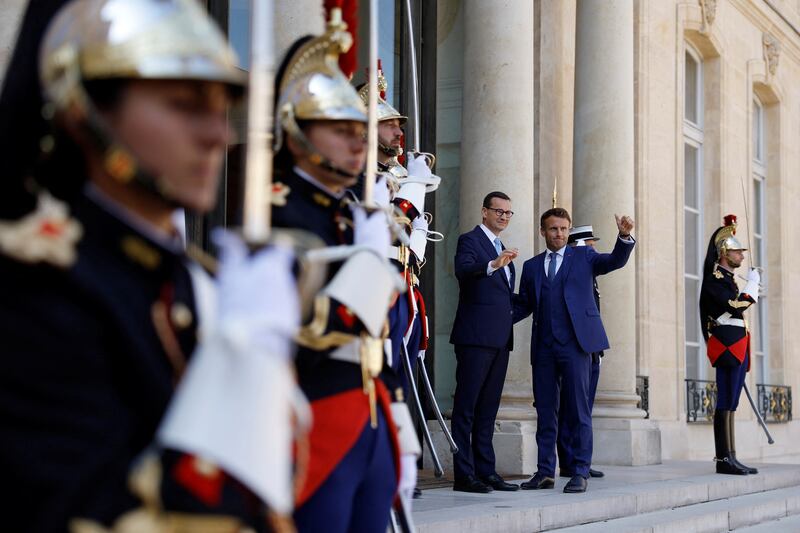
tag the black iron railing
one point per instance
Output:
(701, 399)
(774, 402)
(643, 390)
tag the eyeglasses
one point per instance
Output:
(500, 212)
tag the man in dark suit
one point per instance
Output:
(482, 335)
(557, 286)
(579, 236)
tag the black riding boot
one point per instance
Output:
(732, 440)
(725, 464)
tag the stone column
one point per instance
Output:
(603, 184)
(497, 147)
(11, 12)
(296, 18)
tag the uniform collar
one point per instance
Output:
(171, 242)
(313, 181)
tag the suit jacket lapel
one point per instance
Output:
(567, 264)
(538, 265)
(488, 246)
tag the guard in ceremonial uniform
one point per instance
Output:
(102, 310)
(722, 307)
(361, 428)
(407, 320)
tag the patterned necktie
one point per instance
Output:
(551, 268)
(498, 246)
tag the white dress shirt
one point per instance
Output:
(559, 257)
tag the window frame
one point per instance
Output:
(693, 136)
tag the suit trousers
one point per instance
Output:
(480, 374)
(564, 440)
(561, 385)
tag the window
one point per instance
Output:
(758, 255)
(693, 214)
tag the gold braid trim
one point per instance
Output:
(739, 304)
(313, 334)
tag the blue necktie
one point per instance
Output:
(551, 268)
(498, 246)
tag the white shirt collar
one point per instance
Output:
(489, 235)
(560, 251)
(313, 181)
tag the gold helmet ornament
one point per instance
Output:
(314, 88)
(92, 40)
(385, 111)
(725, 238)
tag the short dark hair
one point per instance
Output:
(487, 201)
(558, 212)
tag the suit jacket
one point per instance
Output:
(580, 266)
(484, 314)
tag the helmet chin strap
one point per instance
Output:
(314, 156)
(389, 150)
(118, 160)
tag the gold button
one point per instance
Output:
(181, 316)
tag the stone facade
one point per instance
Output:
(524, 106)
(628, 156)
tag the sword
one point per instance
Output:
(372, 106)
(761, 422)
(434, 404)
(258, 167)
(401, 519)
(437, 464)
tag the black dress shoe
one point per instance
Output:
(471, 484)
(595, 473)
(417, 493)
(563, 472)
(576, 484)
(537, 482)
(498, 483)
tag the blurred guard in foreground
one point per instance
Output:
(360, 430)
(106, 323)
(722, 308)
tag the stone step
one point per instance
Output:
(730, 514)
(789, 524)
(624, 492)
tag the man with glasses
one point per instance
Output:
(482, 335)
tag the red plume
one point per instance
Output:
(729, 220)
(347, 62)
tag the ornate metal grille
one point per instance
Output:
(701, 400)
(643, 390)
(774, 402)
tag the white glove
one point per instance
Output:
(419, 236)
(238, 402)
(371, 231)
(418, 166)
(753, 281)
(381, 195)
(408, 478)
(258, 299)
